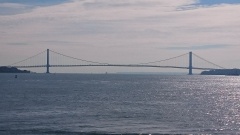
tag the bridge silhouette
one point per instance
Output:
(49, 58)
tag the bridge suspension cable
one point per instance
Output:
(78, 58)
(27, 59)
(164, 59)
(209, 62)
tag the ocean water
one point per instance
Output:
(69, 104)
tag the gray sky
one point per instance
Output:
(121, 31)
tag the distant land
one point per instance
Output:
(5, 69)
(234, 72)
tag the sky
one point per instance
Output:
(121, 31)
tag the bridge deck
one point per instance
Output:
(113, 65)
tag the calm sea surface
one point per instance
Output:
(118, 104)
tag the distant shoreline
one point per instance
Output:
(228, 72)
(5, 69)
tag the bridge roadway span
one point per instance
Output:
(113, 65)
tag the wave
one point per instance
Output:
(57, 132)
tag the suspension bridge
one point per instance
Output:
(50, 59)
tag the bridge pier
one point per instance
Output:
(190, 64)
(48, 65)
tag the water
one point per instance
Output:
(118, 104)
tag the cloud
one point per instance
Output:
(12, 5)
(217, 2)
(13, 8)
(18, 44)
(200, 47)
(156, 21)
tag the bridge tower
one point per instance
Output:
(190, 64)
(48, 65)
